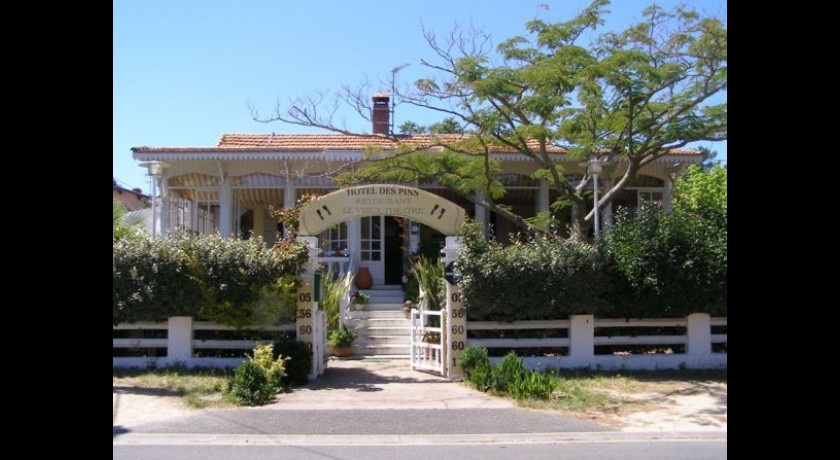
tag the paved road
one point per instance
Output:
(590, 448)
(376, 409)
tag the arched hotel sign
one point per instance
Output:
(381, 199)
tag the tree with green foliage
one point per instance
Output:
(702, 192)
(410, 127)
(632, 95)
(120, 229)
(448, 125)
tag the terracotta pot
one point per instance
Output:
(341, 352)
(364, 280)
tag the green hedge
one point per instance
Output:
(650, 264)
(535, 279)
(229, 281)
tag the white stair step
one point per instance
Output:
(395, 324)
(360, 323)
(383, 340)
(384, 287)
(378, 314)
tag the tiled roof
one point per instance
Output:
(322, 142)
(345, 142)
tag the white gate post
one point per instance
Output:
(455, 323)
(699, 332)
(582, 339)
(179, 340)
(307, 308)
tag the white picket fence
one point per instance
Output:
(576, 340)
(179, 347)
(579, 336)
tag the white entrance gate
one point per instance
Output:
(441, 355)
(428, 342)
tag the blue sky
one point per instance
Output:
(185, 71)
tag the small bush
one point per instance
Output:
(532, 385)
(299, 362)
(249, 385)
(274, 367)
(472, 356)
(507, 371)
(481, 376)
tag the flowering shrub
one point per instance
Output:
(290, 217)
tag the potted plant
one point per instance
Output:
(341, 340)
(359, 299)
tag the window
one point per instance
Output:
(371, 239)
(334, 240)
(650, 198)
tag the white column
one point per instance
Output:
(668, 193)
(269, 228)
(165, 208)
(542, 197)
(581, 337)
(573, 219)
(194, 213)
(354, 230)
(225, 209)
(481, 212)
(289, 198)
(699, 332)
(179, 341)
(259, 221)
(607, 211)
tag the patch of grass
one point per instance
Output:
(198, 388)
(576, 395)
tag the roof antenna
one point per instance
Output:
(394, 92)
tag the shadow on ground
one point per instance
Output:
(359, 376)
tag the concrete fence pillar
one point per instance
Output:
(179, 342)
(699, 332)
(582, 336)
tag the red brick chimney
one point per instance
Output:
(381, 115)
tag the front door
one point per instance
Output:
(393, 251)
(371, 251)
(381, 249)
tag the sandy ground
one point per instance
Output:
(668, 406)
